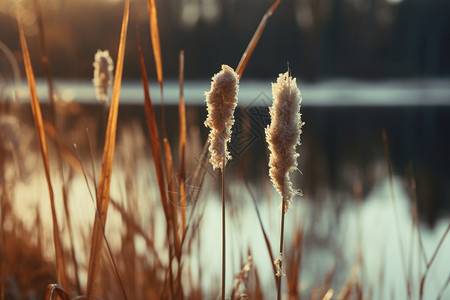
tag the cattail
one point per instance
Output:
(283, 135)
(103, 74)
(221, 101)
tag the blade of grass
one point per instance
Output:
(107, 160)
(295, 264)
(196, 186)
(47, 68)
(63, 151)
(97, 213)
(44, 56)
(172, 191)
(266, 238)
(152, 129)
(39, 125)
(182, 145)
(255, 39)
(172, 218)
(2, 237)
(422, 281)
(442, 290)
(155, 147)
(156, 45)
(154, 34)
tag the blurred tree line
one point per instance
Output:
(364, 39)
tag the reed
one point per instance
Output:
(107, 160)
(283, 136)
(221, 101)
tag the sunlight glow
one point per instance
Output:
(394, 1)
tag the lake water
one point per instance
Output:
(342, 155)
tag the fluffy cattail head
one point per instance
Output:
(103, 74)
(283, 134)
(221, 101)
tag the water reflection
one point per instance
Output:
(351, 230)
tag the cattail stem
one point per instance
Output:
(223, 231)
(283, 212)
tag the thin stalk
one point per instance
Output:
(422, 281)
(223, 230)
(283, 212)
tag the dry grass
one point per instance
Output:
(153, 247)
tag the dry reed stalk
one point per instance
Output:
(44, 57)
(357, 195)
(172, 217)
(293, 273)
(47, 68)
(182, 145)
(39, 125)
(152, 130)
(157, 157)
(156, 45)
(444, 287)
(254, 41)
(424, 276)
(221, 101)
(223, 233)
(283, 136)
(107, 160)
(2, 227)
(266, 238)
(172, 198)
(63, 152)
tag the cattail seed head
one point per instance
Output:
(283, 134)
(221, 101)
(103, 74)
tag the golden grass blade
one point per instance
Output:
(39, 125)
(295, 263)
(44, 56)
(155, 147)
(3, 200)
(152, 130)
(154, 32)
(255, 39)
(182, 144)
(107, 160)
(172, 210)
(156, 45)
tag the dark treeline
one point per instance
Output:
(366, 39)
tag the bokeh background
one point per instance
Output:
(363, 39)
